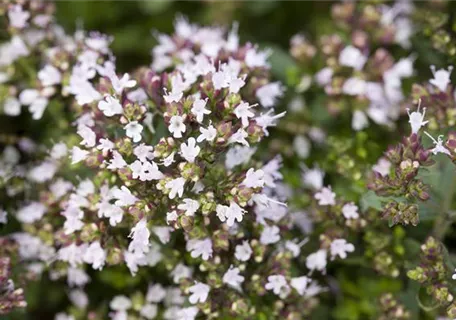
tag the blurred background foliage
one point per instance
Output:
(132, 23)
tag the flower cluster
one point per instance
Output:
(165, 178)
(433, 274)
(356, 70)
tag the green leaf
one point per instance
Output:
(371, 200)
(281, 62)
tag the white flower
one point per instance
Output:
(270, 235)
(79, 298)
(359, 120)
(221, 212)
(350, 211)
(254, 58)
(323, 77)
(169, 160)
(88, 136)
(302, 146)
(120, 84)
(111, 211)
(190, 206)
(382, 166)
(144, 152)
(208, 134)
(73, 254)
(269, 93)
(300, 284)
(146, 171)
(43, 172)
(340, 247)
(176, 126)
(178, 87)
(190, 150)
(188, 313)
(201, 248)
(238, 155)
(11, 107)
(242, 111)
(268, 119)
(18, 17)
(138, 95)
(354, 86)
(105, 145)
(133, 130)
(77, 277)
(123, 196)
(83, 90)
(233, 213)
(243, 251)
(120, 303)
(85, 188)
(227, 77)
(171, 216)
(278, 284)
(199, 292)
(28, 96)
(49, 76)
(110, 106)
(155, 293)
(441, 77)
(352, 57)
(181, 272)
(149, 311)
(63, 316)
(176, 187)
(416, 119)
(326, 197)
(140, 237)
(31, 213)
(439, 148)
(77, 155)
(233, 278)
(317, 260)
(3, 216)
(199, 109)
(117, 161)
(58, 151)
(239, 137)
(95, 255)
(37, 108)
(3, 77)
(254, 178)
(163, 233)
(294, 248)
(133, 260)
(313, 178)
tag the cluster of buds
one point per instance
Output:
(392, 309)
(433, 274)
(406, 159)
